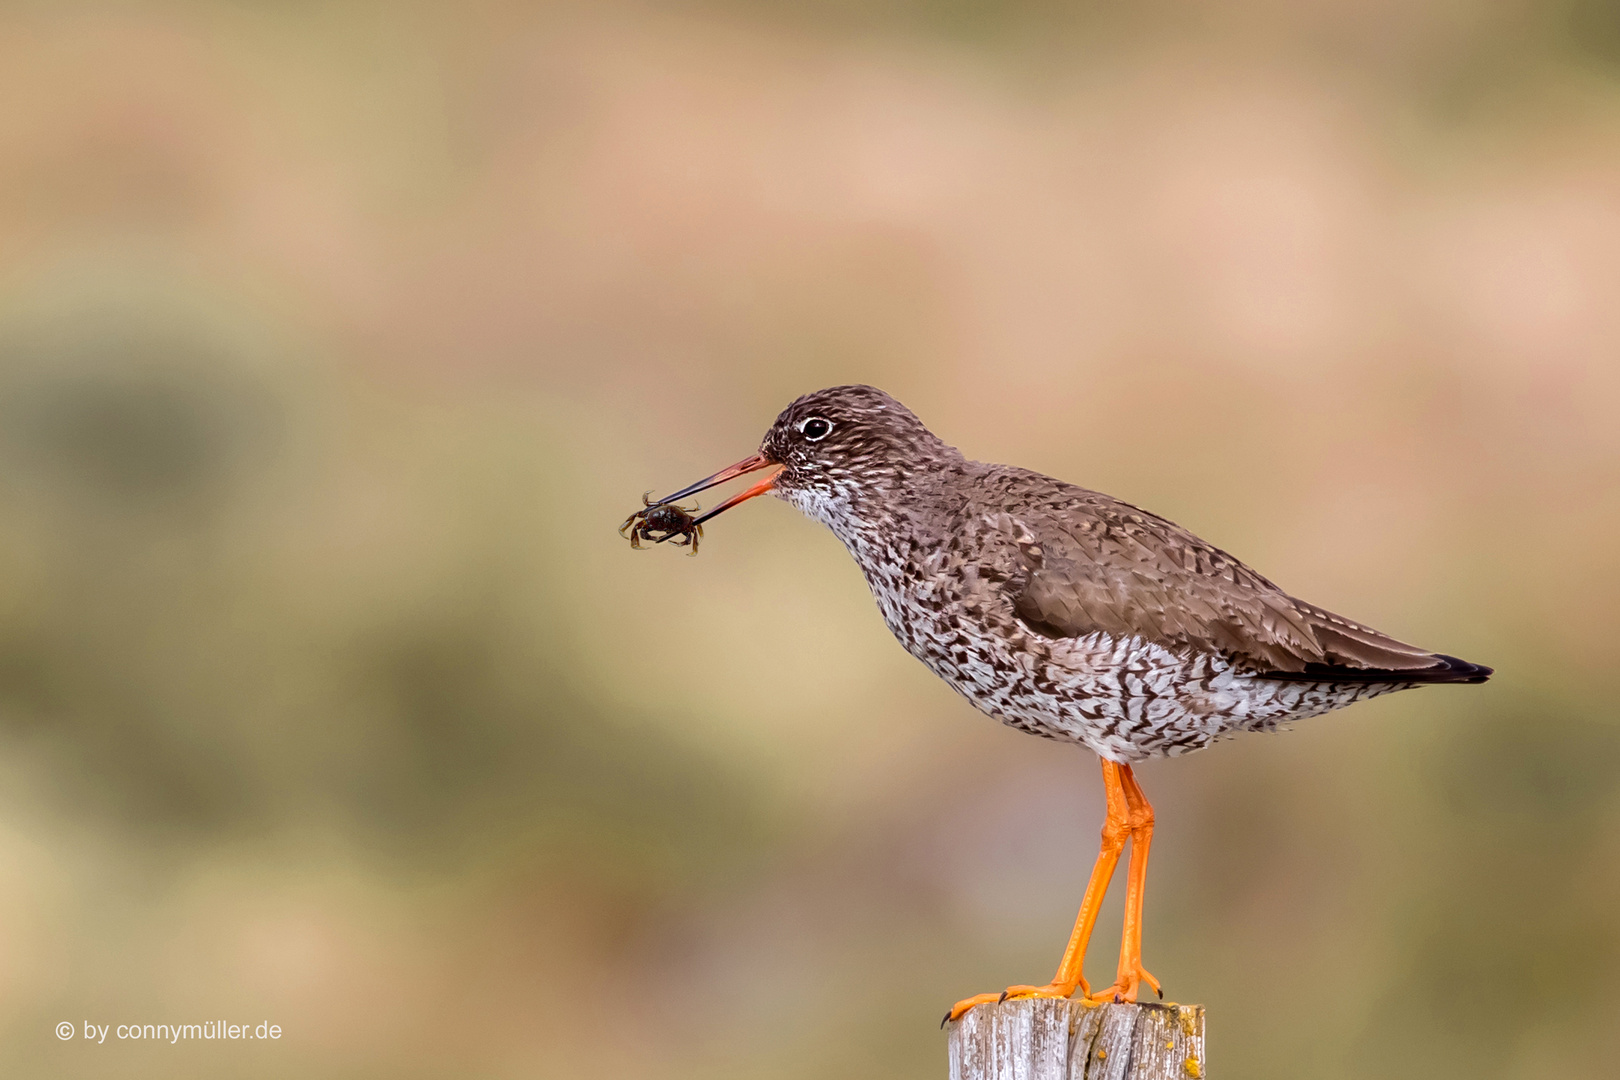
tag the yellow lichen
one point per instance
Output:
(1191, 1065)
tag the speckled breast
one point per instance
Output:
(1124, 698)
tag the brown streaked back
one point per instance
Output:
(1097, 563)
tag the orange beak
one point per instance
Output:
(742, 468)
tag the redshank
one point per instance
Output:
(1068, 614)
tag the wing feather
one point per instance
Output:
(1090, 562)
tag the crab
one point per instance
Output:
(658, 522)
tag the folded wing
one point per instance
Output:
(1099, 564)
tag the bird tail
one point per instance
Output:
(1441, 669)
(1352, 653)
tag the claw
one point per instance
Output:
(965, 1004)
(1142, 973)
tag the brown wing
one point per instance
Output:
(1094, 563)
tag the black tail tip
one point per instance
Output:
(1462, 671)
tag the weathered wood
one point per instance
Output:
(1046, 1039)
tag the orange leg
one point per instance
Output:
(1116, 828)
(1131, 972)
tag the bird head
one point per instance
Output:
(830, 450)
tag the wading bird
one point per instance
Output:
(1068, 614)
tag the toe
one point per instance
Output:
(1050, 990)
(1016, 993)
(967, 1003)
(1108, 995)
(1012, 993)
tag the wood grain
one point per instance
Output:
(1044, 1039)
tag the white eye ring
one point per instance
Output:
(823, 428)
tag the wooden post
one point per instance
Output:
(1047, 1039)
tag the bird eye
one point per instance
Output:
(815, 429)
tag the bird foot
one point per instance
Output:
(1012, 993)
(1125, 987)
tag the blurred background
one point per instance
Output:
(337, 338)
